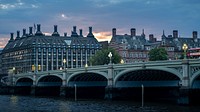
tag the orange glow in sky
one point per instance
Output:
(3, 42)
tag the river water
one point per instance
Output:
(11, 103)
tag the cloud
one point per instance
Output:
(16, 5)
(3, 41)
(102, 36)
(104, 3)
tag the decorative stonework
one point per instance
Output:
(104, 72)
(179, 69)
(194, 69)
(116, 72)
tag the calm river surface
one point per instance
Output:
(10, 103)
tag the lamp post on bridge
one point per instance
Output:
(185, 47)
(64, 62)
(86, 66)
(110, 56)
(13, 77)
(64, 75)
(64, 87)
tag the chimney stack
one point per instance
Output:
(90, 29)
(38, 33)
(194, 34)
(24, 33)
(151, 38)
(81, 32)
(90, 34)
(175, 33)
(55, 33)
(114, 31)
(65, 34)
(38, 27)
(30, 31)
(74, 29)
(55, 28)
(133, 32)
(18, 35)
(74, 34)
(11, 37)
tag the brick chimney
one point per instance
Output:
(90, 34)
(175, 33)
(18, 35)
(194, 34)
(24, 33)
(65, 34)
(151, 38)
(133, 32)
(81, 32)
(30, 31)
(11, 37)
(114, 32)
(38, 32)
(55, 33)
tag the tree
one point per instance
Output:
(101, 57)
(158, 54)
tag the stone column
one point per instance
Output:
(42, 64)
(52, 58)
(109, 88)
(63, 88)
(57, 58)
(185, 84)
(47, 58)
(33, 87)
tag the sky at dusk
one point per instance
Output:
(153, 16)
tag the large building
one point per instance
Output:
(135, 48)
(1, 73)
(132, 48)
(173, 43)
(34, 51)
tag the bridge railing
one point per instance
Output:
(102, 67)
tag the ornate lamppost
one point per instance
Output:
(110, 56)
(122, 61)
(86, 66)
(64, 62)
(13, 77)
(185, 47)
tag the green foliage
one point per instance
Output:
(158, 54)
(101, 57)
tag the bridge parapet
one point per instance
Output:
(186, 70)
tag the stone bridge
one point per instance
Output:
(184, 74)
(156, 73)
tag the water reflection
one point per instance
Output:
(14, 99)
(44, 104)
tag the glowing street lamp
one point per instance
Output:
(122, 61)
(64, 62)
(110, 56)
(13, 77)
(86, 66)
(184, 47)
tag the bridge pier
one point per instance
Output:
(108, 93)
(33, 90)
(12, 90)
(184, 98)
(63, 91)
(185, 84)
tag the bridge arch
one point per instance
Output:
(147, 76)
(24, 81)
(88, 79)
(49, 80)
(195, 80)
